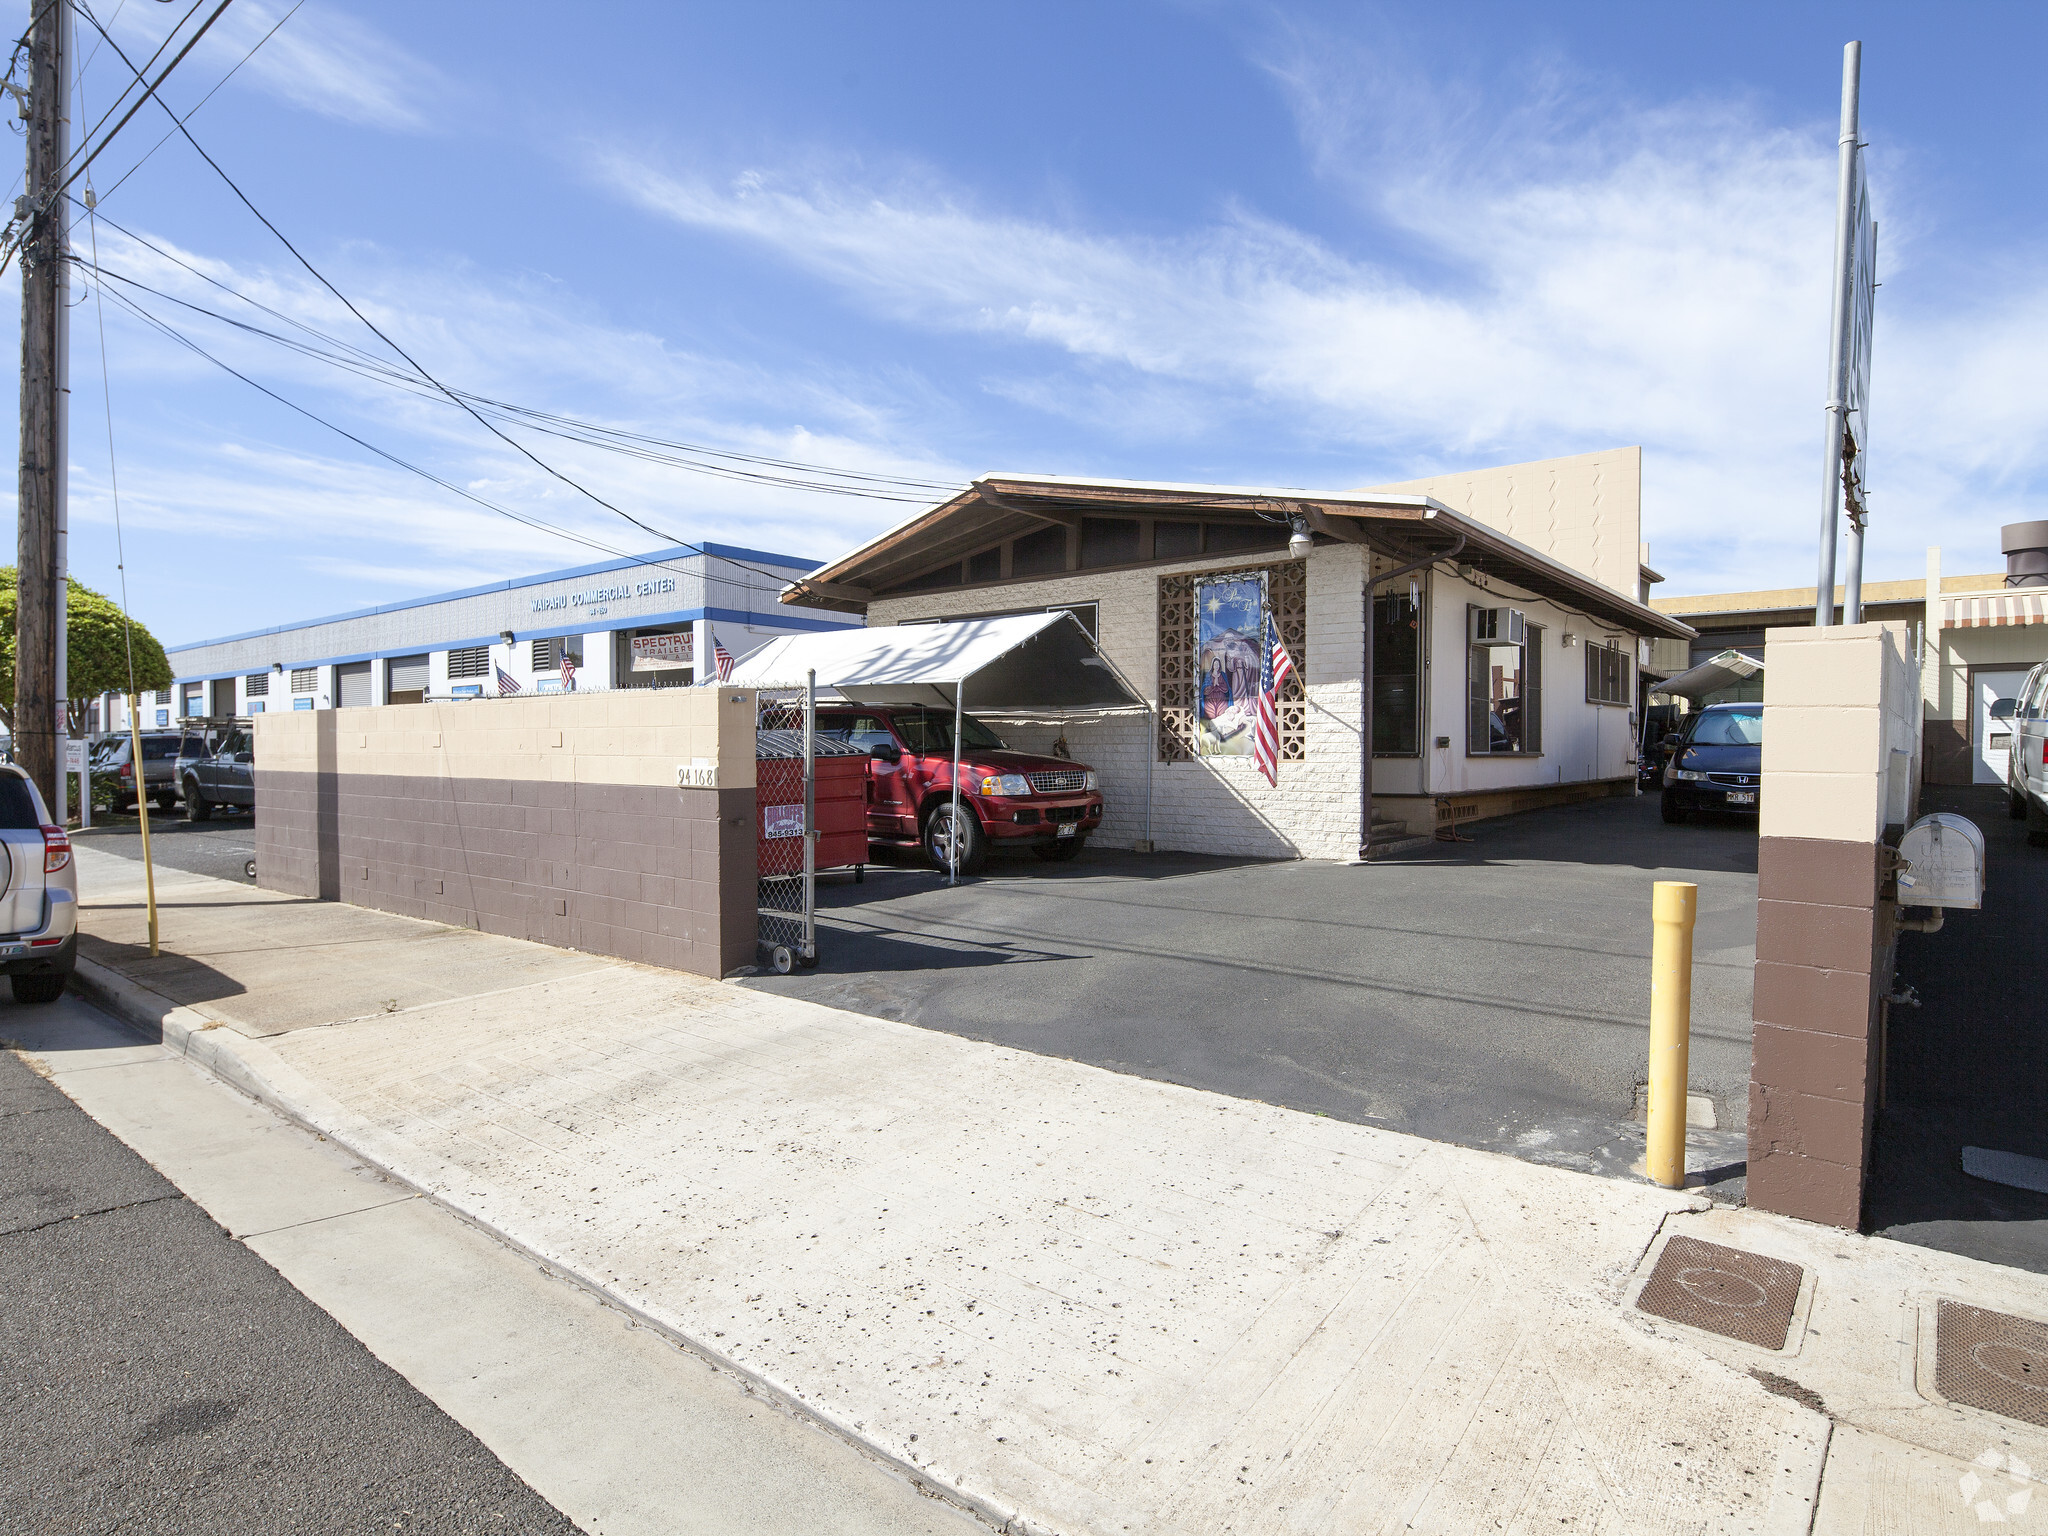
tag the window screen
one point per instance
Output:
(473, 661)
(257, 684)
(1176, 541)
(1607, 674)
(986, 566)
(547, 655)
(303, 679)
(1109, 540)
(1037, 553)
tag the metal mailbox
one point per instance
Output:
(1943, 862)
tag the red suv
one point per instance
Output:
(1006, 796)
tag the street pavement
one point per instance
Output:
(221, 847)
(163, 1378)
(1070, 1299)
(1492, 993)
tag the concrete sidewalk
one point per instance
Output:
(1068, 1299)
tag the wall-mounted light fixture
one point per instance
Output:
(277, 666)
(1567, 639)
(1299, 540)
(506, 636)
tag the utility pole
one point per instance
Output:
(39, 670)
(1838, 339)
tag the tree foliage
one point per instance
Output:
(96, 638)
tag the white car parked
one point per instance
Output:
(38, 893)
(2026, 772)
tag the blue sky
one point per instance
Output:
(1306, 245)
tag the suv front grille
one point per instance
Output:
(1057, 780)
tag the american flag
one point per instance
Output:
(1266, 732)
(722, 659)
(506, 683)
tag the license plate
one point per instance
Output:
(9, 951)
(1742, 797)
(1066, 829)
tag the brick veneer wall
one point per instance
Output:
(1838, 704)
(555, 818)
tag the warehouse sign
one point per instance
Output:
(600, 597)
(663, 653)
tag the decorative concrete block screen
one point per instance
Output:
(1840, 762)
(555, 818)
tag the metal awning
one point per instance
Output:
(1029, 661)
(1720, 671)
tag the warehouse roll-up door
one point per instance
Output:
(224, 696)
(408, 679)
(355, 685)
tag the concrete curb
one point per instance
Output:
(212, 1045)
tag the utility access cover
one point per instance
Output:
(1991, 1361)
(1723, 1290)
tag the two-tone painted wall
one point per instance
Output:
(558, 819)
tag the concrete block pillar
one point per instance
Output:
(1838, 702)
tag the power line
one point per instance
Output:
(122, 94)
(149, 94)
(171, 331)
(594, 434)
(611, 439)
(224, 79)
(369, 325)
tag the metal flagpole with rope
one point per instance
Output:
(121, 566)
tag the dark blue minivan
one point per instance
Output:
(1717, 762)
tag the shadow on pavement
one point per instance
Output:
(1969, 1067)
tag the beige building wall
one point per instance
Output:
(1586, 510)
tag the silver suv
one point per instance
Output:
(2026, 772)
(38, 893)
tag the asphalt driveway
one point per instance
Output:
(1493, 993)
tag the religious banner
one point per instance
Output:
(663, 653)
(1230, 626)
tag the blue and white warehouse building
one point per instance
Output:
(634, 623)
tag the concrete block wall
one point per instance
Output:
(555, 818)
(1841, 708)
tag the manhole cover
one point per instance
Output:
(1991, 1361)
(1723, 1290)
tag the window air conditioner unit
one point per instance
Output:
(1501, 626)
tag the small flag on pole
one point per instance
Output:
(1266, 732)
(506, 684)
(722, 658)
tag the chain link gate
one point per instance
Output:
(785, 798)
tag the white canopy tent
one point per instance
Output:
(1717, 672)
(1026, 662)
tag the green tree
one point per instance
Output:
(96, 661)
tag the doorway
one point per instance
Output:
(1992, 693)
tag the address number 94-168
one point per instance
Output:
(697, 776)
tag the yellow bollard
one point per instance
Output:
(1672, 908)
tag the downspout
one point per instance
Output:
(1366, 689)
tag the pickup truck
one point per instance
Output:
(224, 777)
(1006, 797)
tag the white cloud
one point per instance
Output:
(1542, 280)
(319, 60)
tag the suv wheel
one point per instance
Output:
(197, 806)
(938, 839)
(44, 988)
